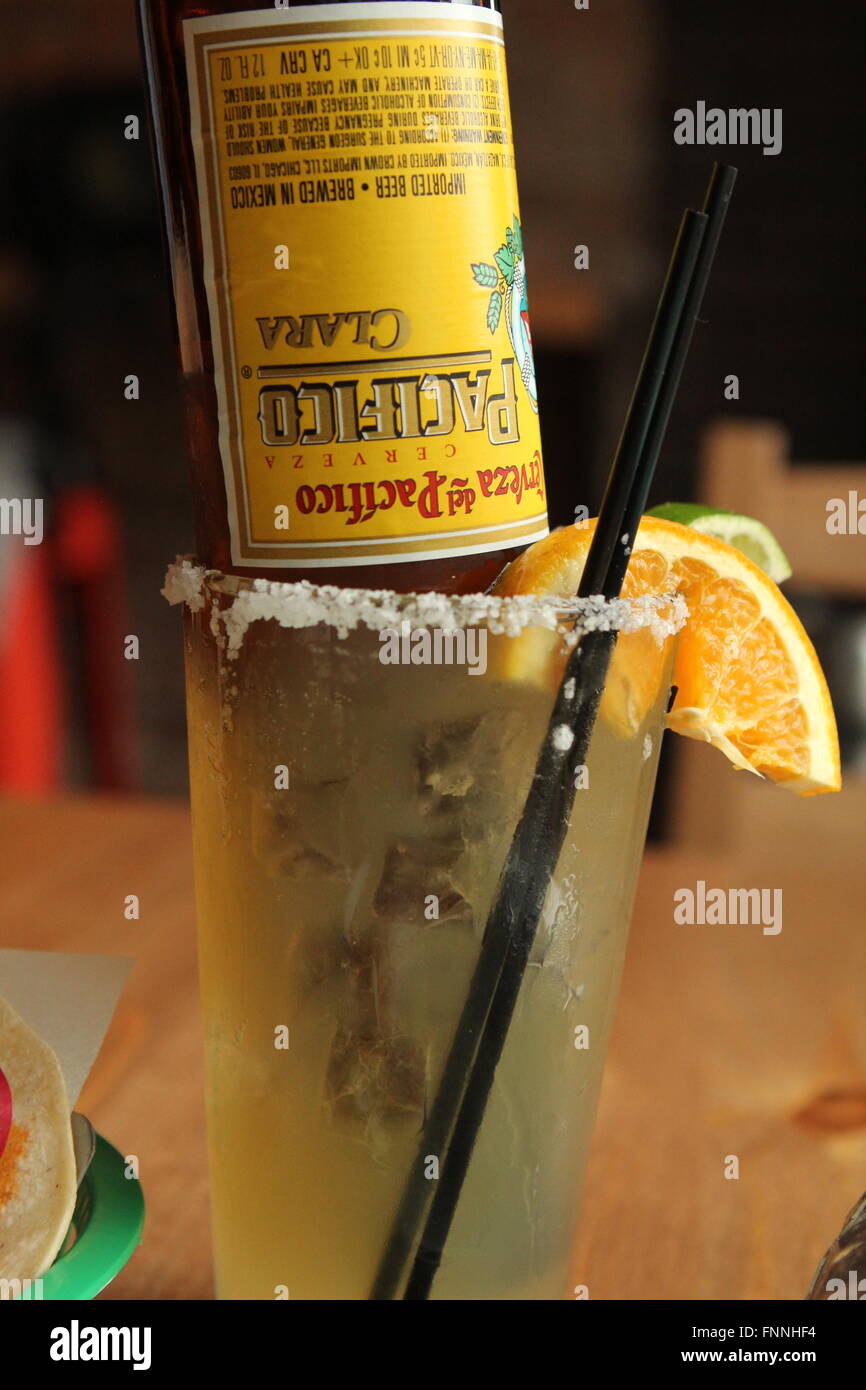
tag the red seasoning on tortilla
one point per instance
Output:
(5, 1110)
(37, 1163)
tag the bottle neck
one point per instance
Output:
(349, 278)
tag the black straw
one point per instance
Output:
(459, 1106)
(541, 830)
(632, 472)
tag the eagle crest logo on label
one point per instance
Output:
(507, 281)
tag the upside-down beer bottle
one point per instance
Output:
(340, 198)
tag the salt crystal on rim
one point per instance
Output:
(240, 602)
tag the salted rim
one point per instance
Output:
(304, 605)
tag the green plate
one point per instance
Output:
(105, 1230)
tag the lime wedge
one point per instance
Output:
(752, 537)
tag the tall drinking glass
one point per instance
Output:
(358, 764)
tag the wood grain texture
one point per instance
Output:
(67, 867)
(726, 1042)
(730, 1042)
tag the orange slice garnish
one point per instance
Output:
(748, 679)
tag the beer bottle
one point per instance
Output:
(347, 263)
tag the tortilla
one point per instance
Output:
(37, 1165)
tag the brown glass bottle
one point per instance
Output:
(163, 30)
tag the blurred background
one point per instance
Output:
(728, 1041)
(84, 302)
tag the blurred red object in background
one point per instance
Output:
(83, 556)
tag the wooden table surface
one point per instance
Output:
(727, 1042)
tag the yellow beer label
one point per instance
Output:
(366, 283)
